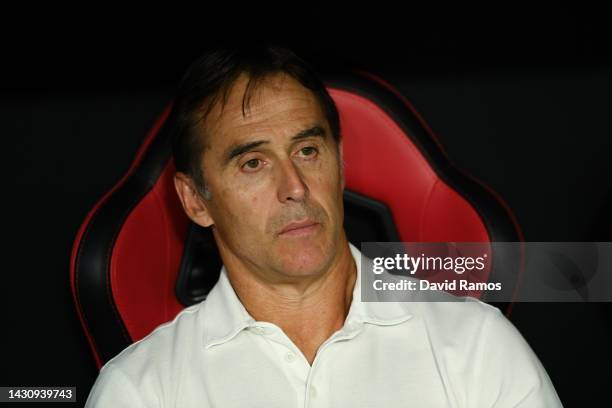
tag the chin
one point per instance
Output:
(304, 258)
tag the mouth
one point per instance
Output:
(299, 228)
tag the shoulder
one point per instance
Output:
(485, 348)
(446, 312)
(471, 322)
(459, 328)
(142, 373)
(157, 350)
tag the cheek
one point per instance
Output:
(242, 211)
(328, 191)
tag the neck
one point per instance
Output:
(308, 312)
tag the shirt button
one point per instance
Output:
(290, 357)
(313, 392)
(259, 330)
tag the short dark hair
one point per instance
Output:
(209, 80)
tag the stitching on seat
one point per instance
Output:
(430, 194)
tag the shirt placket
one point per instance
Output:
(317, 390)
(289, 358)
(308, 382)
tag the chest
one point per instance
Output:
(366, 371)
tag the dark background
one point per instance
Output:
(519, 96)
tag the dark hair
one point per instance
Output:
(209, 80)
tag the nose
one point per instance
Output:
(291, 185)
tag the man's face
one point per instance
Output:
(275, 179)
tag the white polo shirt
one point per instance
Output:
(411, 354)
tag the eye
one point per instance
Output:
(252, 165)
(309, 151)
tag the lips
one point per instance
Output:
(298, 228)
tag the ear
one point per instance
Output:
(193, 204)
(341, 158)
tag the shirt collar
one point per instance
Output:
(224, 316)
(373, 312)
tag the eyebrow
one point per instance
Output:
(237, 150)
(313, 131)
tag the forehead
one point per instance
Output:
(276, 101)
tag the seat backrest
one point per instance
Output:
(138, 260)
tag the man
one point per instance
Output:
(259, 160)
